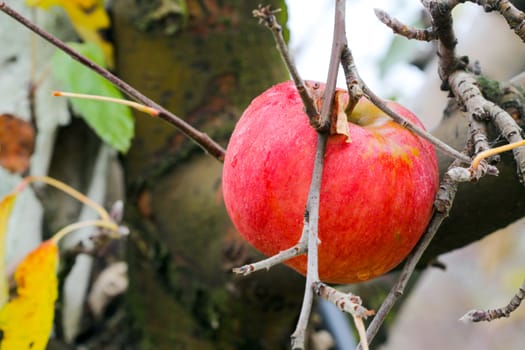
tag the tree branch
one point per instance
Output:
(320, 122)
(514, 17)
(443, 203)
(299, 249)
(200, 138)
(267, 17)
(489, 315)
(465, 88)
(441, 14)
(352, 75)
(404, 30)
(312, 273)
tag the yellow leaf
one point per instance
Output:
(6, 206)
(89, 18)
(26, 321)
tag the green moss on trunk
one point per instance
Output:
(183, 246)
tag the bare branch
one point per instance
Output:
(312, 273)
(441, 14)
(200, 138)
(404, 30)
(465, 88)
(514, 17)
(346, 302)
(351, 74)
(312, 206)
(489, 315)
(266, 16)
(299, 249)
(443, 203)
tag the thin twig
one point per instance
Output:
(443, 203)
(299, 249)
(346, 302)
(298, 337)
(489, 315)
(361, 331)
(514, 17)
(404, 30)
(465, 88)
(352, 75)
(441, 14)
(200, 138)
(267, 17)
(312, 207)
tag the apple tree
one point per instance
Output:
(205, 61)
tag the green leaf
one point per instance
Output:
(112, 122)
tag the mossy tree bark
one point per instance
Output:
(204, 63)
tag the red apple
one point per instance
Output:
(377, 189)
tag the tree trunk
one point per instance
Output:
(205, 65)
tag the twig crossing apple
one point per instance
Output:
(377, 190)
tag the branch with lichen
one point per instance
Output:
(453, 71)
(479, 109)
(455, 77)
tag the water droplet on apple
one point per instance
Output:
(363, 275)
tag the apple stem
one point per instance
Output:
(353, 77)
(138, 106)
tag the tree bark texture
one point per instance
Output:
(483, 207)
(205, 65)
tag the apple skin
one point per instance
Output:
(377, 190)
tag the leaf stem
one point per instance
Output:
(79, 225)
(493, 151)
(104, 215)
(138, 106)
